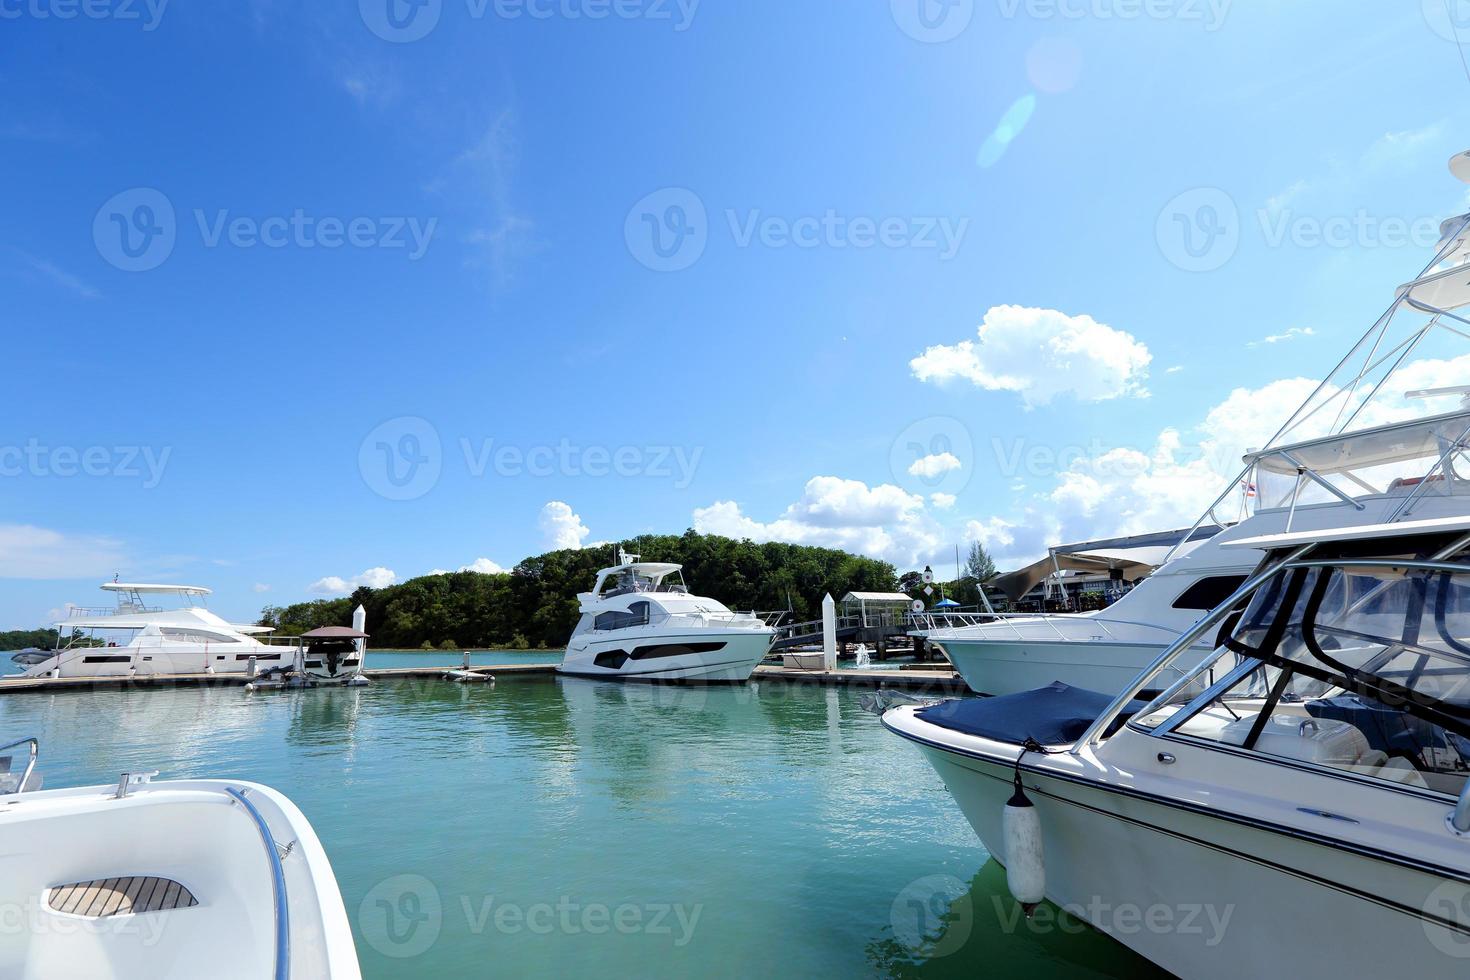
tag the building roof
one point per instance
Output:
(877, 597)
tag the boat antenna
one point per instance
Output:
(1459, 47)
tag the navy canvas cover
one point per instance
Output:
(1052, 715)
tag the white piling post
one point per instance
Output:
(829, 633)
(359, 623)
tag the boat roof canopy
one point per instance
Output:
(646, 569)
(1137, 554)
(1392, 443)
(156, 589)
(335, 633)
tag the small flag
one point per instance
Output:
(1248, 487)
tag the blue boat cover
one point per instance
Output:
(1052, 715)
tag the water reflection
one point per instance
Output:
(940, 928)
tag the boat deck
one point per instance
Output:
(120, 896)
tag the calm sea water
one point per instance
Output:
(596, 829)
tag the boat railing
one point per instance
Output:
(25, 776)
(278, 884)
(104, 612)
(1011, 622)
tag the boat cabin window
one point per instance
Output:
(183, 634)
(637, 615)
(1208, 593)
(1363, 668)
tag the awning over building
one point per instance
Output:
(1135, 556)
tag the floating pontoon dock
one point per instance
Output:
(946, 681)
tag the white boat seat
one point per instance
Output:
(119, 896)
(1325, 743)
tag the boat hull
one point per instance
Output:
(151, 661)
(1210, 896)
(1000, 667)
(717, 657)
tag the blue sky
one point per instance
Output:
(293, 296)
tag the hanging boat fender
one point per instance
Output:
(1025, 864)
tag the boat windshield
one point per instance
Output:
(1362, 666)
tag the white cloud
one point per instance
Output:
(1278, 338)
(1041, 354)
(33, 552)
(1277, 203)
(373, 578)
(482, 565)
(260, 587)
(937, 465)
(883, 522)
(562, 528)
(941, 501)
(1393, 148)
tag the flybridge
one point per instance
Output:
(1371, 428)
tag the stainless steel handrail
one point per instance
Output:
(1010, 619)
(278, 882)
(35, 745)
(1180, 645)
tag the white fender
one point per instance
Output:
(1025, 864)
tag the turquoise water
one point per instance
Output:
(544, 825)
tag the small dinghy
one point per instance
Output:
(164, 879)
(468, 675)
(30, 657)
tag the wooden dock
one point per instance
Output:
(944, 681)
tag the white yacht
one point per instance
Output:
(1357, 450)
(139, 637)
(146, 880)
(639, 622)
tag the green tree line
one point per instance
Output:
(535, 604)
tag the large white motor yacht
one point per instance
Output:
(138, 637)
(147, 880)
(639, 622)
(1356, 451)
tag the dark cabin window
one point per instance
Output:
(637, 615)
(1208, 593)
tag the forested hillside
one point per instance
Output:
(535, 605)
